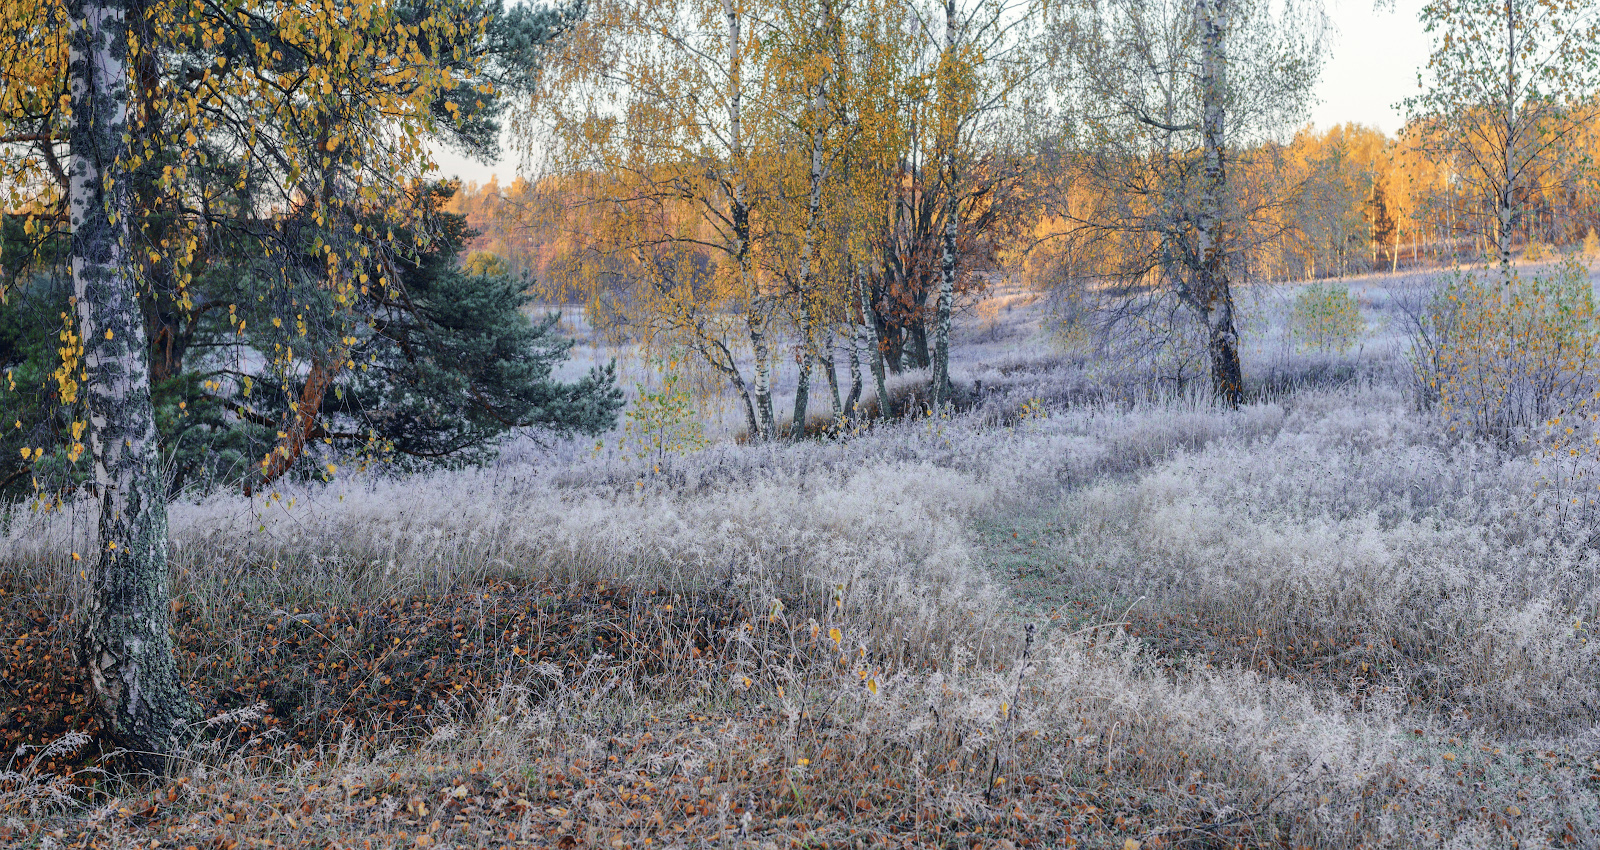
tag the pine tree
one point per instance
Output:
(1384, 228)
(447, 364)
(455, 363)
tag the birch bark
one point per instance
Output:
(126, 645)
(829, 370)
(755, 314)
(947, 256)
(874, 344)
(1213, 290)
(802, 389)
(816, 174)
(1505, 203)
(853, 343)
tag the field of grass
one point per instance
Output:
(1088, 611)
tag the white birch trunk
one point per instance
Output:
(1505, 201)
(755, 314)
(947, 296)
(126, 644)
(808, 250)
(802, 387)
(828, 369)
(1213, 289)
(853, 345)
(947, 258)
(869, 329)
(757, 325)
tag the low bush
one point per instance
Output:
(1495, 352)
(1327, 318)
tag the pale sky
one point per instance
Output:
(1373, 59)
(452, 164)
(1372, 64)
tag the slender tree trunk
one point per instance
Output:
(875, 344)
(1505, 200)
(853, 342)
(947, 257)
(808, 252)
(831, 373)
(802, 389)
(941, 325)
(896, 284)
(1504, 216)
(126, 645)
(750, 421)
(1227, 380)
(757, 326)
(755, 316)
(854, 397)
(731, 370)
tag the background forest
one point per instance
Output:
(992, 423)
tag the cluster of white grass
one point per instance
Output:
(1355, 523)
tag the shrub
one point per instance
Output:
(1327, 317)
(1496, 354)
(665, 421)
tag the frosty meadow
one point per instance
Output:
(1323, 620)
(863, 423)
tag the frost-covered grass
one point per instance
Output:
(1320, 620)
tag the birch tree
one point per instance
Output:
(876, 79)
(914, 153)
(126, 644)
(991, 56)
(1210, 291)
(1509, 86)
(1169, 95)
(963, 172)
(649, 109)
(161, 133)
(275, 149)
(868, 51)
(1342, 211)
(807, 46)
(840, 65)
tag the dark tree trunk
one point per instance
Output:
(890, 340)
(126, 644)
(1222, 345)
(832, 374)
(917, 336)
